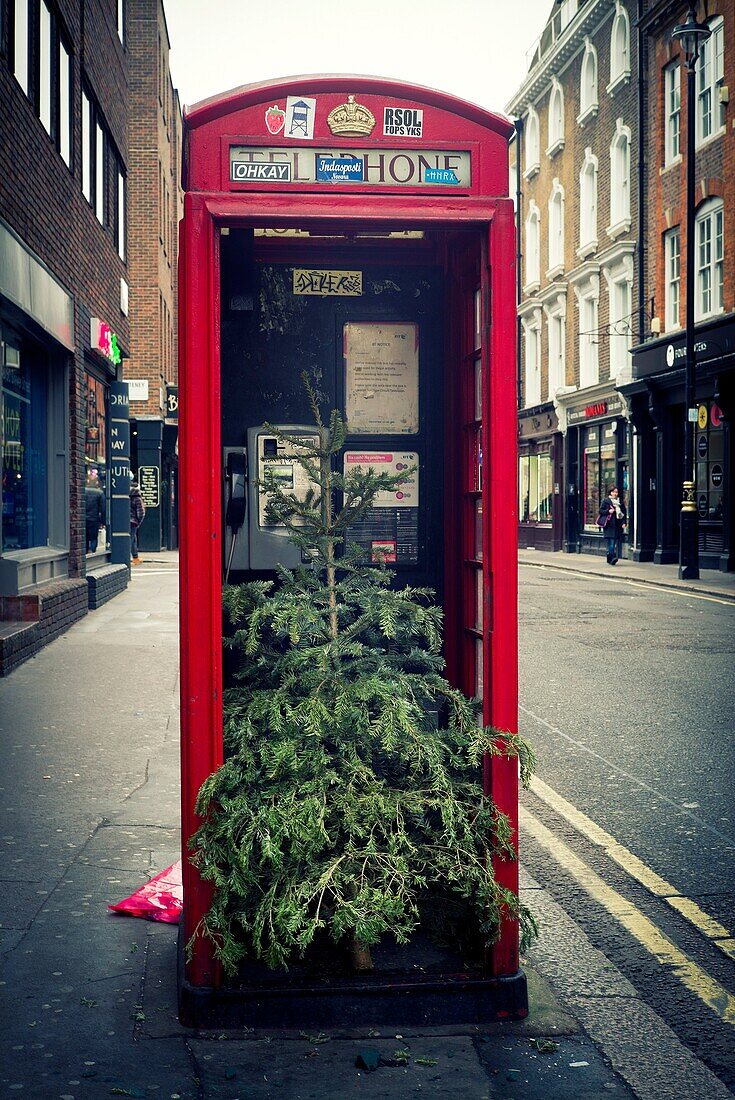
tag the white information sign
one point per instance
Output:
(389, 462)
(381, 377)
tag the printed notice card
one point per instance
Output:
(381, 378)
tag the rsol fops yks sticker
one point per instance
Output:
(403, 122)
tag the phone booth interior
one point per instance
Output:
(398, 302)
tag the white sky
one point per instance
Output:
(474, 49)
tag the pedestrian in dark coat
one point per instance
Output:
(137, 512)
(612, 519)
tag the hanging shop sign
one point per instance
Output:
(138, 389)
(327, 284)
(172, 402)
(379, 167)
(104, 340)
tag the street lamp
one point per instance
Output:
(691, 35)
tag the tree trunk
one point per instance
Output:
(360, 954)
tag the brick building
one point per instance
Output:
(656, 390)
(155, 209)
(63, 309)
(579, 302)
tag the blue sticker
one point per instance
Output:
(440, 175)
(339, 169)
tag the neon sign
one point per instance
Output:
(104, 340)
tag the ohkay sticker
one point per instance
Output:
(403, 122)
(275, 119)
(300, 117)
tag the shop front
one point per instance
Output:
(540, 481)
(597, 459)
(656, 398)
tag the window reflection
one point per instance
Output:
(95, 463)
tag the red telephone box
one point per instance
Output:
(318, 211)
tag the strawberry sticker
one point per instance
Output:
(275, 118)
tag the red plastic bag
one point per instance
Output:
(161, 898)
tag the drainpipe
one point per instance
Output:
(519, 255)
(642, 71)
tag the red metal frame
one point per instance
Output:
(210, 204)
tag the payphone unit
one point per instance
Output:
(251, 541)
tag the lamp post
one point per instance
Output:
(690, 35)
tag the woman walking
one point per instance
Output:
(612, 519)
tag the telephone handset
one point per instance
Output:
(236, 471)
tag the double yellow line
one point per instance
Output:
(669, 956)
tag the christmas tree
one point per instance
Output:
(344, 801)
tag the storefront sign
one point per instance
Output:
(104, 340)
(403, 122)
(611, 406)
(380, 167)
(702, 445)
(327, 284)
(716, 475)
(149, 479)
(381, 378)
(172, 402)
(702, 505)
(138, 389)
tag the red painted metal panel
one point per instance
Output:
(500, 518)
(384, 211)
(200, 556)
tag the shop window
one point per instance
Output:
(535, 488)
(599, 470)
(672, 93)
(672, 251)
(710, 79)
(25, 434)
(710, 259)
(711, 475)
(96, 482)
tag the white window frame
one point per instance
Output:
(672, 113)
(709, 260)
(121, 21)
(672, 279)
(99, 172)
(556, 230)
(45, 106)
(556, 119)
(86, 147)
(532, 158)
(619, 50)
(588, 97)
(21, 43)
(588, 205)
(121, 215)
(620, 147)
(64, 103)
(586, 283)
(618, 270)
(531, 324)
(533, 248)
(710, 76)
(555, 309)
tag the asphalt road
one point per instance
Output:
(626, 693)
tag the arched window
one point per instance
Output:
(556, 118)
(533, 246)
(619, 49)
(532, 364)
(556, 228)
(709, 259)
(533, 155)
(588, 102)
(588, 204)
(620, 180)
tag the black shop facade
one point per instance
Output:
(657, 406)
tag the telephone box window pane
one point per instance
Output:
(478, 319)
(478, 389)
(478, 670)
(478, 599)
(24, 470)
(478, 459)
(478, 530)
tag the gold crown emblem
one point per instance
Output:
(351, 119)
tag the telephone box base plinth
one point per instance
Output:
(356, 1000)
